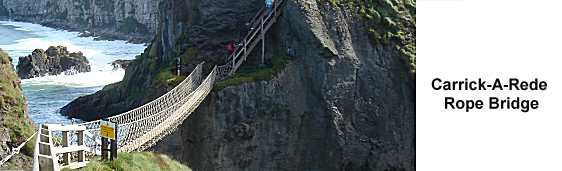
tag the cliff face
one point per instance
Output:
(134, 20)
(345, 100)
(15, 125)
(4, 13)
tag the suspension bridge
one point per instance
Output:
(60, 146)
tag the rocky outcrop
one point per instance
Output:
(346, 101)
(54, 61)
(133, 20)
(15, 124)
(120, 63)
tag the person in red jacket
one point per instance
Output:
(230, 47)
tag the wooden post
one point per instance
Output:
(81, 154)
(114, 146)
(65, 156)
(233, 58)
(104, 148)
(178, 66)
(245, 45)
(274, 9)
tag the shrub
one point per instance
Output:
(166, 78)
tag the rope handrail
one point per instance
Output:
(158, 129)
(16, 150)
(195, 73)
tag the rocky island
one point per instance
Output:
(54, 61)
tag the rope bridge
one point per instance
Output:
(142, 127)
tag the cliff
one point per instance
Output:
(337, 91)
(345, 101)
(15, 124)
(133, 20)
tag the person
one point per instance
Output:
(290, 52)
(230, 47)
(268, 6)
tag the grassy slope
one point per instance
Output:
(137, 161)
(245, 75)
(12, 105)
(389, 23)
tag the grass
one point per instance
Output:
(13, 106)
(167, 78)
(136, 161)
(189, 55)
(249, 75)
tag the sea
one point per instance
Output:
(46, 95)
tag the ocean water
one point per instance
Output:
(46, 95)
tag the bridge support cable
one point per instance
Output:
(16, 150)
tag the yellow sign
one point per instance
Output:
(107, 130)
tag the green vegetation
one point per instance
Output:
(389, 23)
(153, 49)
(188, 55)
(131, 25)
(13, 106)
(245, 75)
(167, 78)
(136, 161)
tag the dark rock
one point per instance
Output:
(120, 63)
(53, 61)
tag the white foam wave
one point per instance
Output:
(99, 53)
(88, 79)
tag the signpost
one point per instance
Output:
(108, 132)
